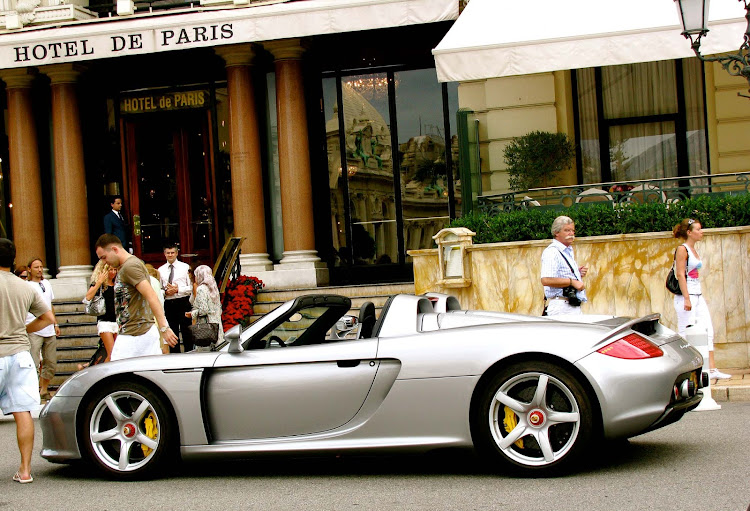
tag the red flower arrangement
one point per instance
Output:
(238, 300)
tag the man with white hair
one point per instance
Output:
(562, 278)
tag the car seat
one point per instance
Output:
(366, 320)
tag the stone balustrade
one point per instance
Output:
(626, 278)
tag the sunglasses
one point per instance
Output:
(23, 276)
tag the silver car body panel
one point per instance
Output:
(409, 389)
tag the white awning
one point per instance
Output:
(201, 27)
(494, 38)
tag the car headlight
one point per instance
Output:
(66, 382)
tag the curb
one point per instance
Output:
(724, 393)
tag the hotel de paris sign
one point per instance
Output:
(99, 46)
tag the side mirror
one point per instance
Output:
(347, 325)
(233, 336)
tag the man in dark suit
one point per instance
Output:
(114, 222)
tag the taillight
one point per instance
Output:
(632, 346)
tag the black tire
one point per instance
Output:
(127, 415)
(542, 406)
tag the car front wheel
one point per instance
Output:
(127, 430)
(534, 416)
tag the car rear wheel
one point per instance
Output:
(127, 430)
(534, 416)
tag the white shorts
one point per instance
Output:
(19, 384)
(129, 346)
(561, 307)
(107, 326)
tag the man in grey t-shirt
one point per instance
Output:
(19, 391)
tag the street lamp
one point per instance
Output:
(694, 17)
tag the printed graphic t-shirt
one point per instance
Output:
(134, 315)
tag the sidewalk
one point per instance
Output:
(736, 389)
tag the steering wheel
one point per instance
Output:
(277, 339)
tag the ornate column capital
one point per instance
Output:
(63, 73)
(19, 78)
(286, 49)
(236, 54)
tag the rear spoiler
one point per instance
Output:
(645, 325)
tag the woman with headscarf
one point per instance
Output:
(207, 301)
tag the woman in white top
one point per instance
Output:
(207, 301)
(691, 306)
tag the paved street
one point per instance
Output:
(701, 463)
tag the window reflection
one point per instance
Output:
(364, 207)
(367, 169)
(422, 156)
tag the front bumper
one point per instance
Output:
(59, 430)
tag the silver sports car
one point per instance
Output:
(532, 392)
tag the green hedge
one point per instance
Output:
(595, 219)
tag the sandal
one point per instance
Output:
(17, 478)
(45, 396)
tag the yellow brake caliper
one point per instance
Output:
(151, 431)
(510, 421)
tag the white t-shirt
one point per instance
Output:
(44, 289)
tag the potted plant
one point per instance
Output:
(238, 300)
(536, 157)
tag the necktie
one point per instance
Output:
(171, 273)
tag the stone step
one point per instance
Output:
(68, 306)
(73, 317)
(72, 328)
(73, 340)
(377, 294)
(361, 291)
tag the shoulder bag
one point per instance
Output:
(673, 285)
(97, 306)
(204, 334)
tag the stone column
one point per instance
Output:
(244, 154)
(25, 184)
(300, 257)
(70, 183)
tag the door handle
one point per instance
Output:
(348, 363)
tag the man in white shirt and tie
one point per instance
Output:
(114, 222)
(177, 286)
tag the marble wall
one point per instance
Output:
(626, 278)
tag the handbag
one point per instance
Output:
(97, 306)
(673, 285)
(204, 334)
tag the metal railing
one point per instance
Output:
(104, 9)
(665, 190)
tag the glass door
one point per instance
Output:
(170, 192)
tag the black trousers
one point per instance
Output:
(175, 310)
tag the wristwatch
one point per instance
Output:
(163, 329)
